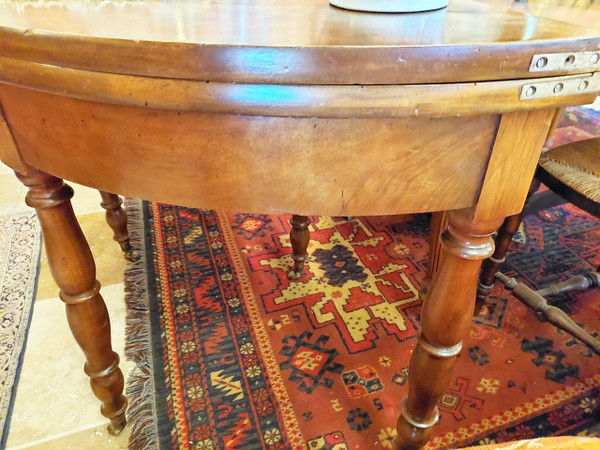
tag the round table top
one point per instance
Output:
(292, 41)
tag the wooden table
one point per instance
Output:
(287, 107)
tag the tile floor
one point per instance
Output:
(54, 407)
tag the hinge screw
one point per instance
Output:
(530, 91)
(583, 85)
(559, 87)
(594, 58)
(541, 63)
(569, 60)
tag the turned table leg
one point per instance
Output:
(72, 266)
(116, 217)
(445, 318)
(299, 237)
(439, 222)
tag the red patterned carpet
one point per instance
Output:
(240, 357)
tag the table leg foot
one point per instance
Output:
(445, 319)
(299, 237)
(417, 437)
(117, 425)
(293, 275)
(412, 434)
(116, 217)
(72, 266)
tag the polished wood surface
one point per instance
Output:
(299, 238)
(296, 41)
(575, 12)
(252, 158)
(294, 107)
(574, 176)
(73, 268)
(9, 154)
(552, 314)
(465, 243)
(116, 217)
(284, 100)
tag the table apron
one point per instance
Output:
(328, 166)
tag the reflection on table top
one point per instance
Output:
(292, 22)
(581, 12)
(292, 41)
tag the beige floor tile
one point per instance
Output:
(110, 263)
(53, 396)
(85, 200)
(12, 195)
(46, 287)
(96, 438)
(4, 169)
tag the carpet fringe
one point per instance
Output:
(140, 385)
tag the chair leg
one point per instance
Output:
(299, 237)
(552, 314)
(492, 265)
(116, 217)
(576, 283)
(503, 241)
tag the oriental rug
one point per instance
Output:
(231, 354)
(20, 245)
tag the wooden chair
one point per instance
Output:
(573, 172)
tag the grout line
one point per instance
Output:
(59, 435)
(95, 211)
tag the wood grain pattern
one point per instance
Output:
(256, 164)
(439, 222)
(9, 154)
(513, 162)
(296, 42)
(342, 101)
(445, 319)
(580, 12)
(292, 107)
(79, 290)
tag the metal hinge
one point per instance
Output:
(561, 86)
(558, 62)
